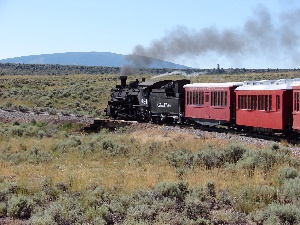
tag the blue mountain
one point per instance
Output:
(93, 59)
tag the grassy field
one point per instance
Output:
(53, 174)
(88, 94)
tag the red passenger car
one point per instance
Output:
(210, 103)
(296, 106)
(265, 105)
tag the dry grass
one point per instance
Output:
(143, 167)
(138, 158)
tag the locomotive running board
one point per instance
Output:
(98, 124)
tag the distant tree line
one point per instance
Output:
(50, 69)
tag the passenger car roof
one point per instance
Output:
(282, 84)
(227, 84)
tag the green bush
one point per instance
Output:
(199, 193)
(211, 189)
(17, 131)
(176, 191)
(224, 199)
(275, 146)
(15, 158)
(37, 156)
(286, 173)
(3, 209)
(180, 159)
(8, 189)
(290, 191)
(116, 212)
(65, 146)
(234, 153)
(228, 216)
(265, 160)
(91, 146)
(265, 195)
(97, 197)
(24, 130)
(111, 147)
(246, 199)
(41, 134)
(143, 197)
(16, 123)
(65, 210)
(42, 219)
(209, 158)
(67, 126)
(19, 206)
(279, 214)
(196, 209)
(49, 192)
(252, 198)
(272, 220)
(142, 213)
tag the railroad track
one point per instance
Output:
(239, 136)
(96, 124)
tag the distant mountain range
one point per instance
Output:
(91, 59)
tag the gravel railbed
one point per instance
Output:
(9, 116)
(224, 136)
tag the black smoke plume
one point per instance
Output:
(127, 70)
(259, 35)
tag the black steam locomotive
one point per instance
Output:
(157, 101)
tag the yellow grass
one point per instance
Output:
(139, 170)
(124, 174)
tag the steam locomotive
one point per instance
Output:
(148, 100)
(267, 106)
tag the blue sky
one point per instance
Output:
(196, 33)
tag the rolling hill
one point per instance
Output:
(91, 59)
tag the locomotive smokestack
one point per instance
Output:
(123, 81)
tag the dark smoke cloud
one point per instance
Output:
(127, 70)
(290, 29)
(259, 35)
